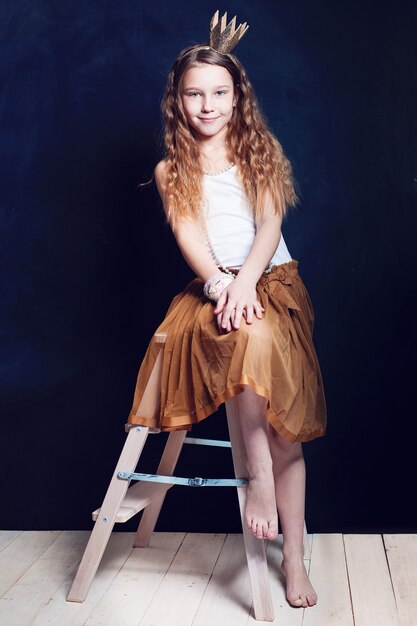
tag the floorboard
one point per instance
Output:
(136, 584)
(202, 579)
(402, 560)
(183, 586)
(59, 612)
(333, 606)
(20, 554)
(370, 583)
(227, 599)
(7, 536)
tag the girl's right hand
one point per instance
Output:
(236, 300)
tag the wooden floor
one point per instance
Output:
(201, 579)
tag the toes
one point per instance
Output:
(262, 529)
(272, 532)
(255, 527)
(295, 600)
(303, 600)
(311, 599)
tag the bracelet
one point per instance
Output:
(215, 285)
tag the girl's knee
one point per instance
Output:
(293, 447)
(259, 332)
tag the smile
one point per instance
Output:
(208, 120)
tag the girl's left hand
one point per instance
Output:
(236, 300)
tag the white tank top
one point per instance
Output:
(230, 221)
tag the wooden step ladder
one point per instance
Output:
(121, 503)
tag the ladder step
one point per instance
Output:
(208, 442)
(186, 482)
(137, 498)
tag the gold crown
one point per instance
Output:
(224, 37)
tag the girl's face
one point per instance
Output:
(208, 99)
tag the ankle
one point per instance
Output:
(293, 553)
(259, 469)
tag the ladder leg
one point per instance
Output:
(307, 549)
(255, 548)
(148, 406)
(107, 515)
(166, 467)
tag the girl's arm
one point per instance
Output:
(189, 239)
(268, 235)
(239, 298)
(188, 236)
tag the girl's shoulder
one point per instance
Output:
(160, 179)
(160, 175)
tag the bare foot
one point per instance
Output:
(300, 591)
(261, 508)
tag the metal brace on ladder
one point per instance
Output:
(186, 482)
(189, 482)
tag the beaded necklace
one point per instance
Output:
(211, 248)
(203, 223)
(221, 171)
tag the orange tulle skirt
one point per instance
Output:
(275, 356)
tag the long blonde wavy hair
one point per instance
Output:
(260, 159)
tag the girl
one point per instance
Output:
(225, 185)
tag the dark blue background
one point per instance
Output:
(88, 267)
